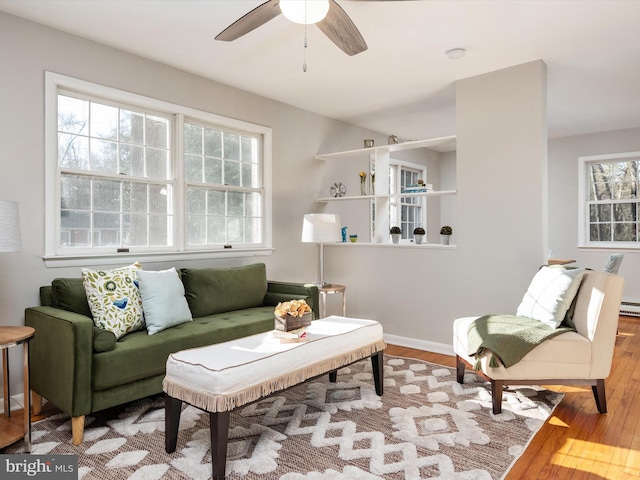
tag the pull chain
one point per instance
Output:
(304, 54)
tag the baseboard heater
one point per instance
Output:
(631, 309)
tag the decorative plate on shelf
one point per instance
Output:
(338, 190)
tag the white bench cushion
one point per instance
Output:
(223, 376)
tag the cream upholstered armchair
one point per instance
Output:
(582, 357)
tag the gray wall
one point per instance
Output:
(563, 201)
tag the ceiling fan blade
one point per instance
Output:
(342, 31)
(252, 20)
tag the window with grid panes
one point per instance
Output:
(406, 212)
(116, 183)
(121, 185)
(610, 199)
(224, 190)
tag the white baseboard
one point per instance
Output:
(442, 348)
(16, 403)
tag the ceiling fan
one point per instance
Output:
(331, 19)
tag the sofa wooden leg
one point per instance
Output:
(459, 369)
(77, 429)
(600, 395)
(496, 395)
(36, 403)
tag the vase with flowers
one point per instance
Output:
(363, 183)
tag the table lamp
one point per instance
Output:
(10, 240)
(321, 228)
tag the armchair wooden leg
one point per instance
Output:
(600, 395)
(459, 369)
(496, 395)
(36, 403)
(77, 429)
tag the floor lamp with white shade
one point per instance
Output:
(321, 228)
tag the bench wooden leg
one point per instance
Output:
(460, 367)
(377, 364)
(172, 410)
(36, 403)
(77, 429)
(600, 395)
(496, 395)
(219, 426)
(333, 376)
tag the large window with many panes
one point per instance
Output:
(134, 174)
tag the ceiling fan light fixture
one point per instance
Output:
(304, 12)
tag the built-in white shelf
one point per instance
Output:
(392, 245)
(377, 159)
(435, 193)
(440, 144)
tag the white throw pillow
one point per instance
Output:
(163, 300)
(550, 294)
(114, 298)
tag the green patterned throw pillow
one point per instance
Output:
(114, 298)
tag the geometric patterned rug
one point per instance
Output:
(426, 425)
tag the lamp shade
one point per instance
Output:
(304, 12)
(321, 228)
(9, 227)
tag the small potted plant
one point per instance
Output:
(395, 232)
(445, 234)
(418, 235)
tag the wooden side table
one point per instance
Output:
(330, 289)
(9, 431)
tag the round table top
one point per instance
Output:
(12, 335)
(332, 288)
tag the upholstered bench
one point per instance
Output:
(222, 377)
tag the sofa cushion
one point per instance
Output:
(114, 298)
(139, 356)
(217, 290)
(550, 294)
(68, 294)
(103, 340)
(163, 300)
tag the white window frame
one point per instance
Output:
(584, 202)
(395, 202)
(55, 256)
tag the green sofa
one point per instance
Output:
(82, 369)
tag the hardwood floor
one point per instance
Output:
(576, 443)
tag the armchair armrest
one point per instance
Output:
(285, 291)
(61, 358)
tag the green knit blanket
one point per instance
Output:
(508, 337)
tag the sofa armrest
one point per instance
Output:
(285, 291)
(61, 358)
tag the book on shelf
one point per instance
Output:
(421, 188)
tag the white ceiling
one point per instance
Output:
(404, 83)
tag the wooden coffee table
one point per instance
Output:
(222, 377)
